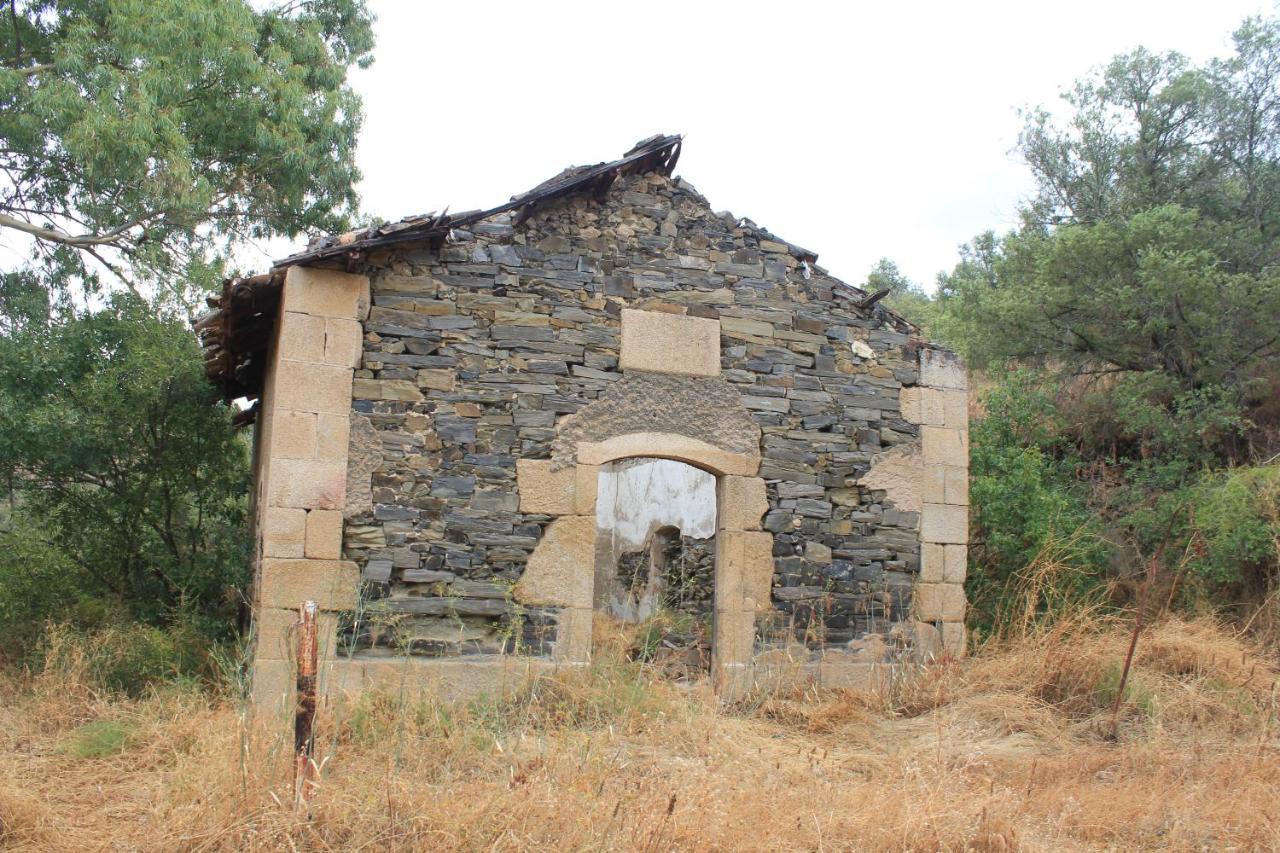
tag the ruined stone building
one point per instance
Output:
(479, 433)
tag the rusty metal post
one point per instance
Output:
(305, 710)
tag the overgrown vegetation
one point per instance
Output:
(141, 143)
(1010, 750)
(1129, 327)
(127, 487)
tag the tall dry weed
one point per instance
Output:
(998, 752)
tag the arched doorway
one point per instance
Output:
(655, 561)
(696, 420)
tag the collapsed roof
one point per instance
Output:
(236, 334)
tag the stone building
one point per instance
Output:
(477, 434)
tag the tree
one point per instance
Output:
(119, 465)
(904, 295)
(140, 139)
(1153, 243)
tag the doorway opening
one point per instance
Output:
(655, 562)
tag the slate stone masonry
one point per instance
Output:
(471, 355)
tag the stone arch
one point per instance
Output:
(686, 415)
(696, 420)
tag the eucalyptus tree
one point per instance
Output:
(141, 139)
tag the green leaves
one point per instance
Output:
(148, 136)
(1153, 242)
(1144, 282)
(121, 463)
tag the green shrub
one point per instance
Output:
(1027, 505)
(128, 657)
(1237, 514)
(37, 583)
(98, 739)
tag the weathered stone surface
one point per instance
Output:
(386, 389)
(561, 570)
(307, 484)
(744, 570)
(956, 485)
(942, 446)
(898, 473)
(933, 484)
(734, 639)
(306, 387)
(324, 534)
(543, 490)
(661, 445)
(706, 409)
(365, 455)
(955, 565)
(942, 369)
(283, 531)
(326, 293)
(909, 401)
(293, 434)
(342, 342)
(932, 562)
(289, 583)
(741, 503)
(585, 488)
(939, 602)
(332, 436)
(573, 635)
(954, 639)
(669, 343)
(945, 524)
(435, 380)
(301, 337)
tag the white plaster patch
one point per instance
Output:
(637, 496)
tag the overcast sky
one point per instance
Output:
(857, 130)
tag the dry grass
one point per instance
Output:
(1005, 751)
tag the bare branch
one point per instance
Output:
(75, 241)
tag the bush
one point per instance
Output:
(1237, 515)
(127, 658)
(1028, 508)
(36, 582)
(128, 486)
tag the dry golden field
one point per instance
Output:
(1008, 750)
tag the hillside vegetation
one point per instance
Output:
(1127, 338)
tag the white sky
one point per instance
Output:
(857, 130)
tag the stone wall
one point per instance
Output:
(478, 358)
